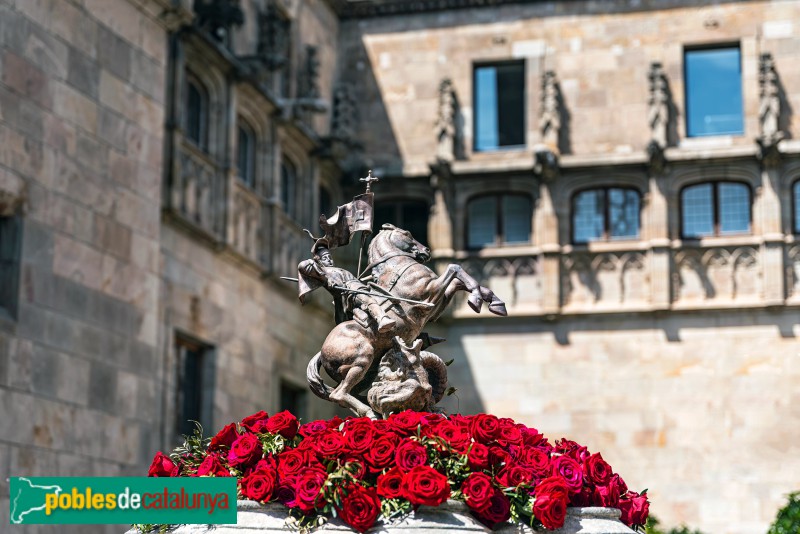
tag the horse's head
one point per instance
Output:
(392, 238)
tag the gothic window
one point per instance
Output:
(498, 219)
(411, 215)
(10, 240)
(246, 154)
(289, 187)
(605, 213)
(195, 384)
(713, 78)
(293, 398)
(796, 196)
(325, 202)
(196, 112)
(499, 102)
(715, 208)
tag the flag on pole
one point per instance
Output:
(355, 216)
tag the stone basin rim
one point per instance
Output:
(449, 506)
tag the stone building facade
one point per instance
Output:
(160, 158)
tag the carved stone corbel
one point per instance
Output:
(769, 112)
(448, 130)
(659, 117)
(218, 16)
(13, 195)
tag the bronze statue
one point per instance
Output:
(383, 361)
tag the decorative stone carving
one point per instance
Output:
(717, 274)
(246, 222)
(274, 37)
(518, 278)
(217, 16)
(793, 272)
(343, 118)
(658, 116)
(609, 278)
(309, 100)
(769, 110)
(12, 194)
(196, 194)
(551, 112)
(447, 130)
(545, 163)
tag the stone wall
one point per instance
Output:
(82, 105)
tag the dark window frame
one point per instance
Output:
(11, 229)
(715, 207)
(187, 346)
(289, 201)
(499, 237)
(606, 237)
(523, 115)
(287, 388)
(398, 218)
(725, 45)
(248, 177)
(201, 140)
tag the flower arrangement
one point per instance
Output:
(358, 468)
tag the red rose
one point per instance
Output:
(212, 466)
(456, 436)
(162, 466)
(358, 435)
(410, 454)
(256, 422)
(554, 486)
(478, 457)
(224, 438)
(308, 488)
(381, 454)
(314, 427)
(425, 485)
(263, 466)
(390, 484)
(356, 466)
(478, 491)
(535, 458)
(283, 423)
(551, 510)
(485, 428)
(430, 419)
(404, 423)
(360, 508)
(514, 474)
(292, 462)
(596, 470)
(585, 497)
(497, 511)
(328, 444)
(569, 470)
(285, 493)
(607, 496)
(245, 450)
(567, 447)
(498, 456)
(509, 433)
(258, 487)
(635, 508)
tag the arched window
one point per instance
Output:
(289, 187)
(498, 219)
(605, 213)
(411, 215)
(796, 197)
(196, 112)
(246, 154)
(715, 208)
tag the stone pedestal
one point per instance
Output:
(450, 517)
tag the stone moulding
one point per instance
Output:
(452, 516)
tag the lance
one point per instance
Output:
(361, 292)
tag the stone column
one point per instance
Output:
(768, 209)
(546, 236)
(656, 217)
(440, 222)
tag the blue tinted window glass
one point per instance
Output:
(486, 134)
(516, 219)
(499, 101)
(623, 213)
(482, 222)
(734, 208)
(587, 216)
(697, 204)
(713, 92)
(796, 189)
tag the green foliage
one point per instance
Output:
(788, 518)
(652, 527)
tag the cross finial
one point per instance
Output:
(369, 180)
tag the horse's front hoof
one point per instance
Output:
(498, 307)
(475, 302)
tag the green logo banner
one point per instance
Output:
(122, 500)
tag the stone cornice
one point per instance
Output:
(349, 9)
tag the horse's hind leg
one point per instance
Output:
(341, 393)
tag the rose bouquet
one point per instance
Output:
(359, 468)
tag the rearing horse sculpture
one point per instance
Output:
(351, 352)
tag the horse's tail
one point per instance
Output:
(315, 380)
